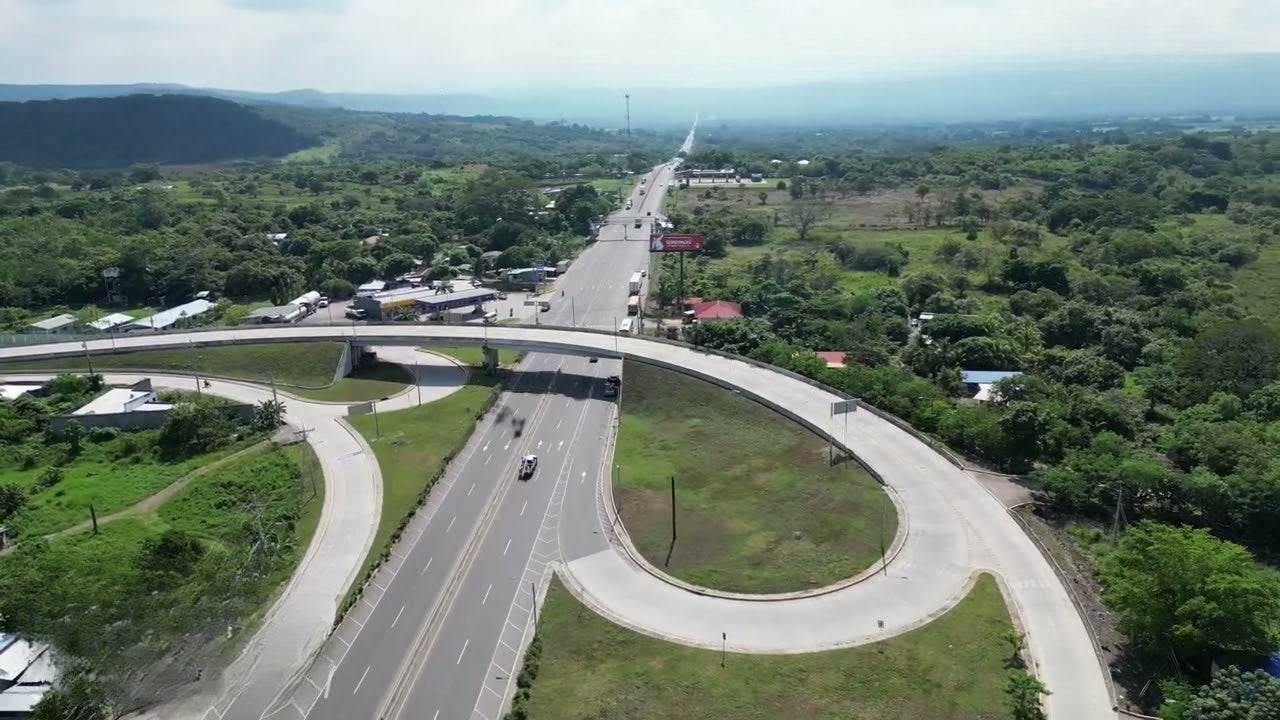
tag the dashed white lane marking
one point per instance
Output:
(361, 681)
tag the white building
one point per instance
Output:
(137, 398)
(113, 320)
(57, 324)
(27, 671)
(168, 318)
(13, 391)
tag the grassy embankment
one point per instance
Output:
(758, 507)
(304, 369)
(951, 669)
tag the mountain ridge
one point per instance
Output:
(1187, 85)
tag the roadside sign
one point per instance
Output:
(540, 269)
(675, 243)
(841, 407)
(359, 409)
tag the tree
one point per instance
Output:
(191, 429)
(1181, 590)
(75, 697)
(1237, 356)
(805, 215)
(1022, 692)
(169, 556)
(12, 499)
(919, 287)
(269, 415)
(763, 196)
(1232, 694)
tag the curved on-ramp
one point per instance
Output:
(298, 621)
(956, 526)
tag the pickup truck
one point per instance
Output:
(357, 313)
(611, 385)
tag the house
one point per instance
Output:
(65, 322)
(372, 240)
(833, 358)
(981, 382)
(277, 237)
(139, 397)
(108, 322)
(696, 308)
(173, 316)
(13, 391)
(27, 671)
(373, 286)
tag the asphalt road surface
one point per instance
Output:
(441, 639)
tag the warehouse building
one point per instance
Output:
(57, 324)
(183, 315)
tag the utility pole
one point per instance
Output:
(628, 97)
(87, 357)
(274, 397)
(673, 509)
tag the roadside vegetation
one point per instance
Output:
(759, 507)
(413, 447)
(159, 592)
(1127, 275)
(588, 667)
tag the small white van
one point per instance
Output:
(625, 326)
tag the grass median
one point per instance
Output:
(951, 669)
(413, 447)
(758, 507)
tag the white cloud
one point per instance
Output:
(475, 45)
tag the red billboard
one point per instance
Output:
(676, 243)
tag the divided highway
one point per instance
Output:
(437, 633)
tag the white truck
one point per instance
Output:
(633, 288)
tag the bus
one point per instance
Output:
(633, 305)
(625, 327)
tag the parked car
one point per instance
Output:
(323, 302)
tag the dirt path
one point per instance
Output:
(151, 502)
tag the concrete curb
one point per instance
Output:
(582, 595)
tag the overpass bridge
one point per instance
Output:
(955, 527)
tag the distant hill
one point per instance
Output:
(1175, 85)
(116, 132)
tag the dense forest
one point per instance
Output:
(172, 237)
(115, 132)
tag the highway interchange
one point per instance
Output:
(441, 627)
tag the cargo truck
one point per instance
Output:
(633, 288)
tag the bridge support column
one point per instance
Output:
(490, 359)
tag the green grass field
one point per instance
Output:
(412, 444)
(297, 364)
(373, 382)
(747, 480)
(110, 475)
(92, 594)
(475, 356)
(951, 669)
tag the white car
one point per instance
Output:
(528, 464)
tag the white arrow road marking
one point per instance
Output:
(584, 476)
(485, 448)
(560, 445)
(539, 444)
(504, 447)
(329, 681)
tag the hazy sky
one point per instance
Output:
(478, 45)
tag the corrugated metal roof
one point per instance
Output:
(55, 323)
(165, 318)
(110, 321)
